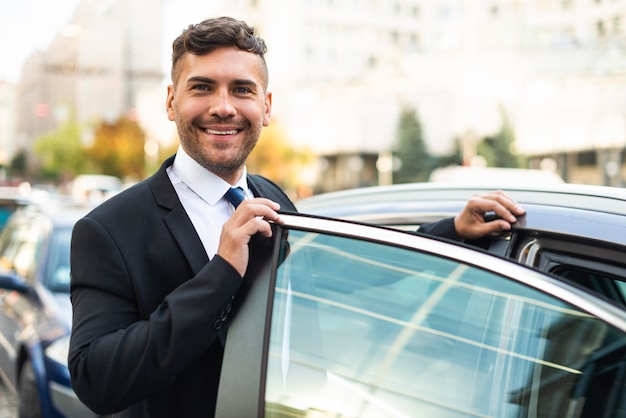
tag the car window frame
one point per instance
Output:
(242, 382)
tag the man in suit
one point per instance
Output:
(156, 269)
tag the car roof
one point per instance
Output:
(584, 197)
(594, 212)
(60, 215)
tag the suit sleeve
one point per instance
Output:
(117, 355)
(443, 228)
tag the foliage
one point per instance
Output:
(498, 150)
(17, 166)
(153, 160)
(60, 152)
(167, 150)
(118, 149)
(454, 158)
(411, 149)
(275, 159)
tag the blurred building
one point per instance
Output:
(570, 107)
(341, 71)
(93, 69)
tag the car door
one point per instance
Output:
(350, 320)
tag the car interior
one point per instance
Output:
(593, 264)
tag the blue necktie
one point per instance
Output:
(235, 196)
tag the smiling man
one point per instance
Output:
(220, 113)
(156, 269)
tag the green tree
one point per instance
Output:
(118, 149)
(19, 163)
(498, 150)
(411, 149)
(60, 153)
(454, 158)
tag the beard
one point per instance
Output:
(221, 159)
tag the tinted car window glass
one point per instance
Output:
(5, 239)
(588, 264)
(369, 330)
(58, 273)
(7, 207)
(22, 248)
(601, 282)
(5, 213)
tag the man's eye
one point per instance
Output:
(201, 87)
(242, 90)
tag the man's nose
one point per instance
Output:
(223, 104)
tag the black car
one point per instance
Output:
(35, 310)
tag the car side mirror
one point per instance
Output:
(10, 281)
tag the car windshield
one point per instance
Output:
(58, 270)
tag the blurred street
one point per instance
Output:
(8, 403)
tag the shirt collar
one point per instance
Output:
(210, 187)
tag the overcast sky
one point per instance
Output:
(29, 25)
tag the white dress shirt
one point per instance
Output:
(202, 195)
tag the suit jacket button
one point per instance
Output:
(218, 324)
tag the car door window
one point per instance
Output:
(361, 329)
(22, 248)
(58, 268)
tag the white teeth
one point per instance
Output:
(212, 132)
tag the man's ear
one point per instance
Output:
(169, 103)
(268, 109)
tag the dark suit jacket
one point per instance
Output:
(149, 305)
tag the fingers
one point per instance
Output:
(251, 209)
(251, 217)
(491, 227)
(470, 223)
(498, 202)
(505, 202)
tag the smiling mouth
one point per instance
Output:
(214, 132)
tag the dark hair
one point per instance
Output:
(210, 34)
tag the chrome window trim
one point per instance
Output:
(543, 282)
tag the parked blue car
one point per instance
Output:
(35, 311)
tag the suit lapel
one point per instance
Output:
(176, 218)
(185, 234)
(178, 222)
